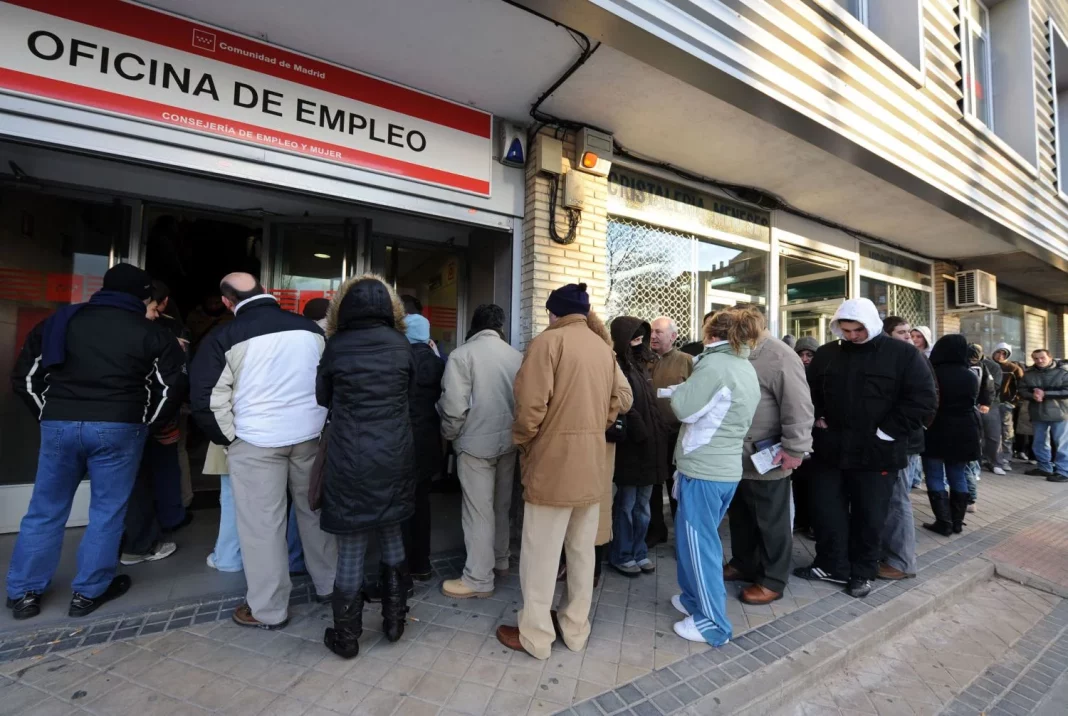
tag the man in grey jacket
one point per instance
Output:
(761, 541)
(477, 406)
(1045, 384)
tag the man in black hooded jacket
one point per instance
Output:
(871, 394)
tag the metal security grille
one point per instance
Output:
(911, 304)
(651, 274)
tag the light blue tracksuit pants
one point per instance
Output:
(702, 505)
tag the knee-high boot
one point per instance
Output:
(943, 523)
(343, 637)
(396, 582)
(958, 507)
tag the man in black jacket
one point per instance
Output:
(871, 395)
(99, 376)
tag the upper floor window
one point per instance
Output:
(978, 94)
(897, 23)
(856, 8)
(997, 71)
(1058, 48)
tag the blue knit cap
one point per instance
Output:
(418, 330)
(569, 299)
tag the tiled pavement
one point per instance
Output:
(922, 669)
(192, 659)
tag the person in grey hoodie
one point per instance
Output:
(476, 408)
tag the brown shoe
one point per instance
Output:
(509, 636)
(731, 574)
(243, 617)
(758, 594)
(500, 572)
(892, 574)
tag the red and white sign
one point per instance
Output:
(120, 57)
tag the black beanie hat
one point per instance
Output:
(127, 278)
(569, 299)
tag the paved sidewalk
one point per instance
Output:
(921, 670)
(192, 660)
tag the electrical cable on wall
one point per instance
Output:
(573, 215)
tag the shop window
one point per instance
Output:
(1006, 325)
(998, 75)
(658, 272)
(55, 252)
(1058, 48)
(912, 304)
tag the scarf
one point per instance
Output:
(54, 331)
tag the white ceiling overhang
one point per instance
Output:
(500, 58)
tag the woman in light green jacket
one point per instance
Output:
(716, 407)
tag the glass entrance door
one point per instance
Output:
(435, 274)
(309, 259)
(813, 286)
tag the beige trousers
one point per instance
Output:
(259, 477)
(545, 530)
(487, 496)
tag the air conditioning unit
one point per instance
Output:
(976, 291)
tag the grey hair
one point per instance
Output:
(671, 323)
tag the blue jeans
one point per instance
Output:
(702, 505)
(915, 470)
(227, 554)
(1058, 431)
(940, 473)
(111, 454)
(971, 474)
(630, 522)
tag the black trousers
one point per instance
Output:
(417, 531)
(761, 538)
(657, 525)
(849, 510)
(141, 528)
(800, 481)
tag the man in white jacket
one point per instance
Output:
(477, 406)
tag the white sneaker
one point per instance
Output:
(688, 630)
(676, 601)
(160, 550)
(211, 561)
(998, 471)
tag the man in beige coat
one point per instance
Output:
(761, 535)
(476, 408)
(565, 399)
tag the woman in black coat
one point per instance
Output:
(426, 434)
(365, 378)
(636, 455)
(955, 437)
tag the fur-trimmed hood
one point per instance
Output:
(369, 304)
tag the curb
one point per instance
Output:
(1028, 579)
(752, 694)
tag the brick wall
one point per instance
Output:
(945, 323)
(547, 264)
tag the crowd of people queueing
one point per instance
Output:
(340, 423)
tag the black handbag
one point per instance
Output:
(618, 432)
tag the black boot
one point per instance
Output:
(943, 523)
(343, 638)
(373, 592)
(958, 507)
(396, 582)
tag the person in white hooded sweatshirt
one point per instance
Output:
(870, 394)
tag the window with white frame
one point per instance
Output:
(856, 8)
(898, 23)
(998, 75)
(975, 32)
(1058, 48)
